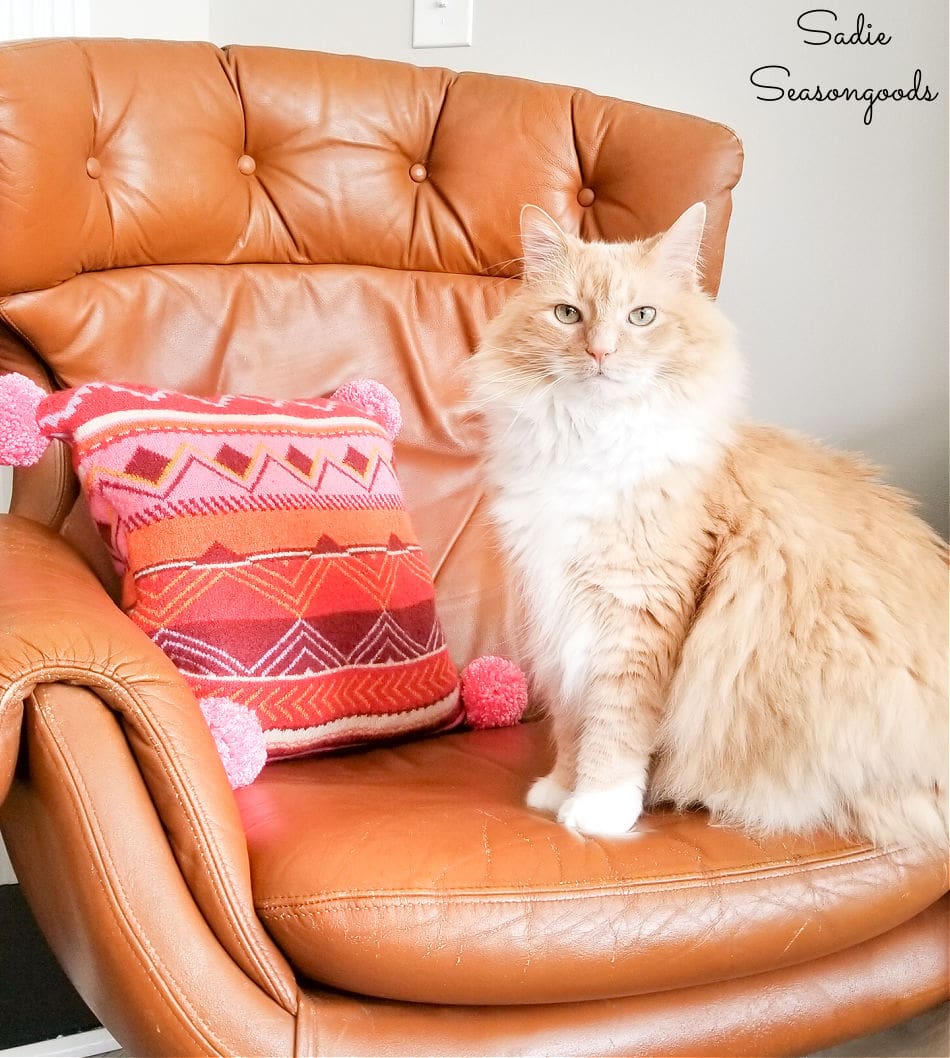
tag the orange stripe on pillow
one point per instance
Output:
(256, 532)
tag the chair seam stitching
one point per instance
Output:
(139, 935)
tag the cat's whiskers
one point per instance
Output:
(498, 267)
(502, 378)
(532, 397)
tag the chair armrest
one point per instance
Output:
(58, 625)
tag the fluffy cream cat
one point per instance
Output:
(719, 613)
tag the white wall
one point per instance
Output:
(7, 876)
(836, 268)
(169, 19)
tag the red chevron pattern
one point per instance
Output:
(265, 547)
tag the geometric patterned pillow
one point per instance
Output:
(266, 548)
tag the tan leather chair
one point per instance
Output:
(277, 222)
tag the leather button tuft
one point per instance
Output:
(586, 196)
(418, 172)
(246, 164)
(94, 168)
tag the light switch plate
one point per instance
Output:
(442, 23)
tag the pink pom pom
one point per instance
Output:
(495, 692)
(239, 738)
(374, 398)
(21, 443)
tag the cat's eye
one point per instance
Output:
(643, 316)
(567, 314)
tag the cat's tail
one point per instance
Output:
(917, 817)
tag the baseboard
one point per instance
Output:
(79, 1045)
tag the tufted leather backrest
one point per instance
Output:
(272, 221)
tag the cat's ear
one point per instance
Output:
(542, 240)
(677, 249)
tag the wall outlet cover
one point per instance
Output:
(442, 23)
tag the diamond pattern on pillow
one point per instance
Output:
(266, 548)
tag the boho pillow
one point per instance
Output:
(266, 548)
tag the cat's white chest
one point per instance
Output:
(552, 499)
(569, 495)
(549, 495)
(546, 542)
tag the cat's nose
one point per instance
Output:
(598, 353)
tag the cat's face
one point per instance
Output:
(607, 322)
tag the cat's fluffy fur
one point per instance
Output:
(718, 613)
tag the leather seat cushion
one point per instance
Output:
(415, 872)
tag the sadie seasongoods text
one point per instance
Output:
(820, 27)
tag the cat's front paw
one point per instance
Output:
(546, 795)
(603, 813)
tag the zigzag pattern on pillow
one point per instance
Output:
(265, 547)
